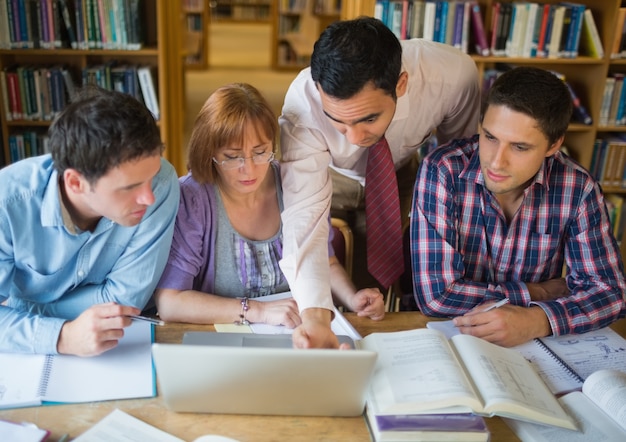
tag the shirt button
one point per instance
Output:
(81, 273)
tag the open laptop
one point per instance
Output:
(219, 373)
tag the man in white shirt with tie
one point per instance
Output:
(363, 85)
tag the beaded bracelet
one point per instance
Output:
(244, 311)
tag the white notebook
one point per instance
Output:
(123, 372)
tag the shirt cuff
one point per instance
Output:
(309, 294)
(47, 335)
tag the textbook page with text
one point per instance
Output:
(421, 371)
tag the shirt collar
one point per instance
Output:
(51, 206)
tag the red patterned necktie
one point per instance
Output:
(385, 260)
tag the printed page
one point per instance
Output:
(593, 424)
(607, 389)
(122, 427)
(507, 383)
(417, 372)
(20, 375)
(558, 379)
(589, 352)
(121, 373)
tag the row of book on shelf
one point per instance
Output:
(613, 107)
(40, 93)
(517, 29)
(608, 167)
(76, 24)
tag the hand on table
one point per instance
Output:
(96, 330)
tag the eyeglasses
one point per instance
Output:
(236, 163)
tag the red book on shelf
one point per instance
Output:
(482, 48)
(541, 42)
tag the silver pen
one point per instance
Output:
(145, 318)
(500, 303)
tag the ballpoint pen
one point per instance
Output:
(500, 303)
(150, 320)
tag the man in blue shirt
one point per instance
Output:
(85, 232)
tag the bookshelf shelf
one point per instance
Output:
(161, 51)
(586, 74)
(296, 27)
(242, 11)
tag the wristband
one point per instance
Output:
(244, 312)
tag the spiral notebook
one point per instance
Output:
(121, 373)
(564, 362)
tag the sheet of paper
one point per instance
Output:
(122, 427)
(14, 432)
(340, 325)
(20, 376)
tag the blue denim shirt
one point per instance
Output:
(49, 275)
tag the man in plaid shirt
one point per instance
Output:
(498, 215)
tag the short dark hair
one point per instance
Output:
(351, 53)
(100, 130)
(536, 92)
(222, 121)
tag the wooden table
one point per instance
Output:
(77, 418)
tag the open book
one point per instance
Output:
(599, 411)
(564, 362)
(421, 371)
(121, 373)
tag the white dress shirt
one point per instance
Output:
(443, 94)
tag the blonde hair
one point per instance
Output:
(222, 120)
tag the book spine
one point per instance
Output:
(135, 29)
(5, 35)
(67, 21)
(148, 91)
(482, 48)
(507, 12)
(14, 94)
(13, 149)
(457, 40)
(429, 21)
(563, 51)
(5, 95)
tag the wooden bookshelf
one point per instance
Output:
(242, 11)
(161, 50)
(584, 73)
(196, 33)
(296, 27)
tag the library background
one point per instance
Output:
(150, 48)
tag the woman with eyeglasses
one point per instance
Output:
(228, 233)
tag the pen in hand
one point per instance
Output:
(150, 320)
(496, 305)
